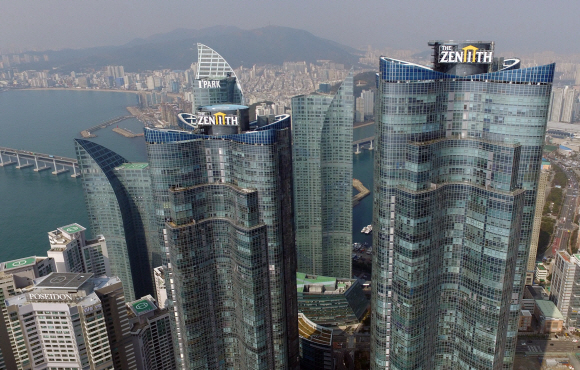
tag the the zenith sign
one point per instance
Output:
(468, 54)
(218, 118)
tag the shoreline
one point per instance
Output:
(72, 89)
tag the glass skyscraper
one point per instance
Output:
(322, 156)
(223, 201)
(120, 207)
(457, 163)
(215, 81)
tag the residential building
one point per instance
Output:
(69, 301)
(227, 210)
(540, 199)
(556, 104)
(368, 98)
(541, 272)
(14, 276)
(73, 253)
(223, 203)
(151, 334)
(119, 202)
(565, 287)
(570, 97)
(457, 161)
(525, 323)
(330, 301)
(322, 165)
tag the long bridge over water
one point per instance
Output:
(40, 161)
(359, 143)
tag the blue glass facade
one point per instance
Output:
(258, 162)
(456, 172)
(119, 204)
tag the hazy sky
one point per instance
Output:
(518, 25)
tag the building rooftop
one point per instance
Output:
(537, 292)
(313, 332)
(540, 266)
(142, 306)
(549, 309)
(303, 279)
(72, 228)
(63, 280)
(19, 263)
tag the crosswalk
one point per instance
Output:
(534, 349)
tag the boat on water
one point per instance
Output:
(367, 229)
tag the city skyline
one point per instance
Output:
(458, 152)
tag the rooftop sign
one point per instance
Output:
(467, 54)
(49, 297)
(218, 118)
(208, 84)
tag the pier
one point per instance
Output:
(360, 142)
(362, 191)
(90, 131)
(40, 161)
(126, 132)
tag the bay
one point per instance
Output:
(47, 121)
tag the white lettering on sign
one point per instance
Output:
(468, 54)
(206, 84)
(217, 119)
(50, 297)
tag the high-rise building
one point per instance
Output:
(459, 148)
(322, 165)
(120, 206)
(72, 252)
(565, 287)
(151, 334)
(61, 323)
(14, 276)
(368, 97)
(223, 195)
(230, 268)
(215, 81)
(540, 199)
(570, 96)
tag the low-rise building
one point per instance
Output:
(151, 334)
(541, 272)
(550, 320)
(531, 294)
(315, 345)
(331, 301)
(525, 323)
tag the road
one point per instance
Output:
(540, 346)
(564, 225)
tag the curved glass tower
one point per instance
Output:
(120, 204)
(322, 156)
(456, 171)
(215, 81)
(225, 204)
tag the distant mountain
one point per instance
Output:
(177, 50)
